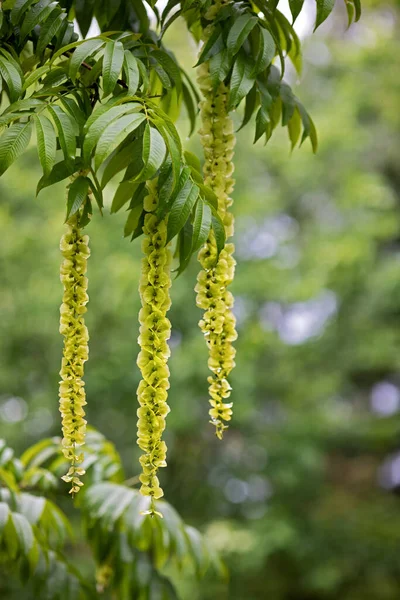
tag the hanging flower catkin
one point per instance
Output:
(155, 330)
(218, 322)
(75, 250)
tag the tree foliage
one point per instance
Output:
(103, 108)
(129, 547)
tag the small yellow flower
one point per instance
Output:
(155, 330)
(75, 250)
(218, 322)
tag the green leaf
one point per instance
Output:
(4, 514)
(8, 479)
(33, 557)
(275, 113)
(262, 122)
(77, 194)
(131, 72)
(209, 196)
(165, 202)
(192, 86)
(350, 12)
(192, 110)
(123, 194)
(59, 172)
(44, 455)
(139, 229)
(46, 143)
(162, 75)
(20, 7)
(357, 6)
(119, 161)
(294, 53)
(168, 23)
(87, 212)
(66, 49)
(112, 65)
(324, 9)
(274, 4)
(81, 53)
(23, 531)
(21, 106)
(34, 76)
(294, 128)
(134, 172)
(184, 248)
(74, 111)
(12, 79)
(8, 118)
(114, 134)
(353, 8)
(213, 45)
(309, 127)
(169, 66)
(288, 103)
(239, 32)
(31, 507)
(133, 220)
(252, 101)
(53, 81)
(7, 455)
(193, 161)
(14, 59)
(171, 104)
(154, 150)
(99, 111)
(10, 538)
(273, 85)
(201, 225)
(198, 550)
(97, 192)
(173, 524)
(35, 16)
(219, 65)
(107, 501)
(241, 81)
(181, 209)
(165, 185)
(98, 126)
(55, 524)
(84, 14)
(266, 51)
(66, 131)
(65, 37)
(173, 145)
(161, 539)
(144, 76)
(28, 457)
(49, 30)
(219, 230)
(295, 8)
(173, 132)
(13, 142)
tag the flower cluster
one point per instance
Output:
(155, 330)
(75, 250)
(218, 322)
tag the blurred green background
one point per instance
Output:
(301, 497)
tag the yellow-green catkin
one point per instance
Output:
(155, 330)
(75, 250)
(218, 322)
